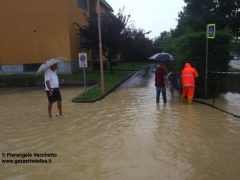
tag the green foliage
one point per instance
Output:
(162, 43)
(122, 71)
(191, 46)
(110, 81)
(188, 40)
(135, 45)
(96, 65)
(198, 13)
(111, 28)
(117, 37)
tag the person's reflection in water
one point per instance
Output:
(189, 122)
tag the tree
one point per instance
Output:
(135, 45)
(197, 13)
(162, 42)
(112, 30)
(189, 38)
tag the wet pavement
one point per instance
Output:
(230, 101)
(126, 136)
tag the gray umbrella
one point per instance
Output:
(162, 57)
(50, 62)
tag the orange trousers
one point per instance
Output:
(188, 92)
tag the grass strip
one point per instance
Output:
(120, 72)
(231, 69)
(110, 80)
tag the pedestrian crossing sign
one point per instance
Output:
(211, 31)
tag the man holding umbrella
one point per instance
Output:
(52, 84)
(52, 89)
(161, 74)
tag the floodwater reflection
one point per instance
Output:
(125, 136)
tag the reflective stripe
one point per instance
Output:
(187, 75)
(188, 85)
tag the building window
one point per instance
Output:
(82, 4)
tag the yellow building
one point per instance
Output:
(33, 31)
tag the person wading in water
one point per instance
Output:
(161, 82)
(52, 89)
(188, 82)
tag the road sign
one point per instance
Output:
(211, 31)
(83, 60)
(83, 64)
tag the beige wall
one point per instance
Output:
(33, 31)
(75, 15)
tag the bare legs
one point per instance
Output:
(59, 105)
(50, 109)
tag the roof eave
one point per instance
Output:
(109, 8)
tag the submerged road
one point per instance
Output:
(125, 136)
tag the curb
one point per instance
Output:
(106, 93)
(212, 106)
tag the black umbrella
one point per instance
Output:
(162, 57)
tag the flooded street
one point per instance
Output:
(126, 136)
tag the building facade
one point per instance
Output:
(33, 31)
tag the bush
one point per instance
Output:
(192, 46)
(96, 65)
(114, 62)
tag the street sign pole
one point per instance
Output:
(206, 70)
(100, 47)
(84, 79)
(210, 34)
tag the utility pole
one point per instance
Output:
(100, 47)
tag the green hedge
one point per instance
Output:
(192, 47)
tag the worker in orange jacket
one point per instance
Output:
(188, 82)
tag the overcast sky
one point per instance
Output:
(154, 15)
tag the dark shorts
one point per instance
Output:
(56, 95)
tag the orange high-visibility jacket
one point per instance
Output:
(188, 75)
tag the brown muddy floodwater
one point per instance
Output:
(126, 136)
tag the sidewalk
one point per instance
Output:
(228, 102)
